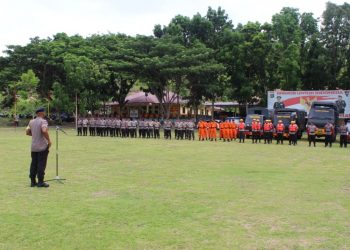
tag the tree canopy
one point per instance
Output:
(200, 57)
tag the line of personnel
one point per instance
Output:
(132, 128)
(229, 131)
(207, 130)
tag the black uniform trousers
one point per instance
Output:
(312, 139)
(38, 165)
(328, 141)
(256, 136)
(253, 136)
(167, 134)
(270, 135)
(123, 131)
(111, 132)
(343, 141)
(241, 136)
(156, 133)
(293, 139)
(279, 137)
(190, 134)
(80, 129)
(180, 134)
(266, 137)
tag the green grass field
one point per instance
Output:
(157, 194)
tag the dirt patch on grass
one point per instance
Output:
(346, 189)
(104, 193)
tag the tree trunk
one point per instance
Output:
(120, 111)
(212, 109)
(178, 105)
(161, 107)
(168, 106)
(195, 113)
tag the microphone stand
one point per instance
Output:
(57, 177)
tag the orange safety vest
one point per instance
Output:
(253, 125)
(241, 126)
(267, 127)
(293, 128)
(258, 126)
(280, 127)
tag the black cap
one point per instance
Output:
(40, 110)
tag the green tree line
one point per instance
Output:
(200, 58)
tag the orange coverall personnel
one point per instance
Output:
(212, 130)
(226, 131)
(221, 125)
(201, 130)
(230, 130)
(207, 130)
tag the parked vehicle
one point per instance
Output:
(321, 113)
(267, 113)
(235, 119)
(288, 115)
(248, 123)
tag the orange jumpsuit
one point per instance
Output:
(201, 130)
(207, 130)
(221, 130)
(212, 130)
(231, 127)
(226, 131)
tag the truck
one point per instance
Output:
(267, 113)
(287, 115)
(322, 112)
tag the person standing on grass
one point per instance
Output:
(190, 128)
(241, 130)
(38, 130)
(280, 132)
(80, 126)
(329, 129)
(85, 126)
(266, 131)
(293, 130)
(311, 133)
(344, 131)
(157, 126)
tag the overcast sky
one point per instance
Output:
(23, 19)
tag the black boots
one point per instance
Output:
(43, 184)
(33, 182)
